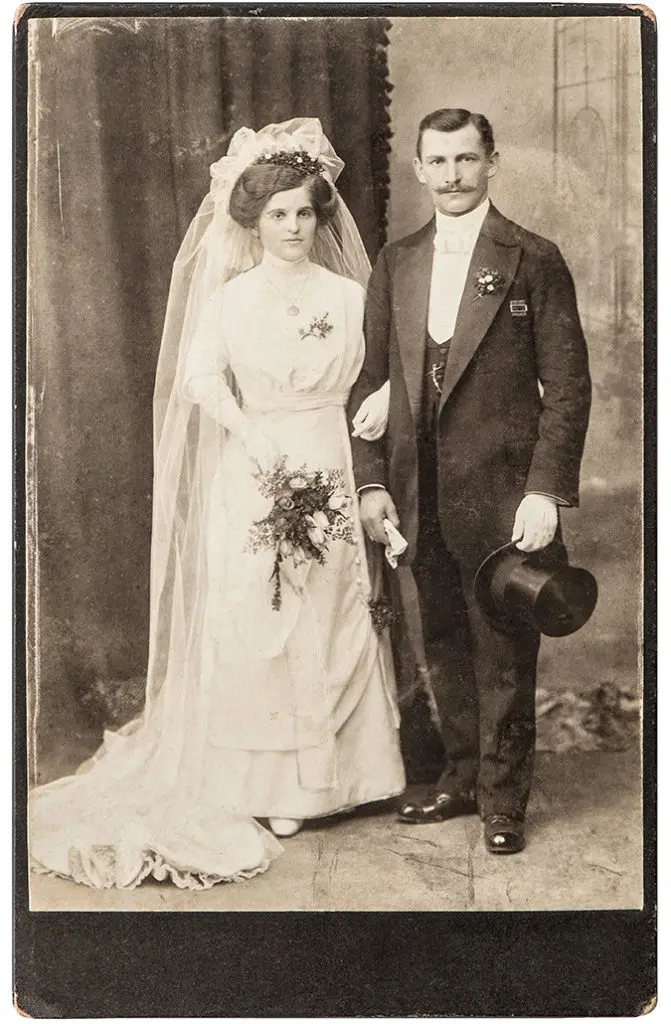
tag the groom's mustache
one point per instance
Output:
(453, 191)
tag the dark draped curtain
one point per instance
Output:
(125, 117)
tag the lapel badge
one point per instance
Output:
(518, 307)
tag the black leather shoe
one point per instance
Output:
(503, 834)
(437, 806)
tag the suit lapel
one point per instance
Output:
(496, 249)
(411, 306)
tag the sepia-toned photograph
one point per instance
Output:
(334, 469)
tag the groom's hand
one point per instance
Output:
(535, 522)
(375, 506)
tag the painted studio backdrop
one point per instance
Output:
(126, 117)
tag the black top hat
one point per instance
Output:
(537, 590)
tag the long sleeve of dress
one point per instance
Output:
(204, 371)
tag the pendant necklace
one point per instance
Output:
(293, 309)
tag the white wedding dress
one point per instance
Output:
(297, 706)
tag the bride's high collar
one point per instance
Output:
(277, 267)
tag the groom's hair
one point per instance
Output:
(450, 119)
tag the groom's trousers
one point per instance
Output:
(484, 680)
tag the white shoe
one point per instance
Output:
(285, 826)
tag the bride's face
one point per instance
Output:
(287, 224)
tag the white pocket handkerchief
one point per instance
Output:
(396, 543)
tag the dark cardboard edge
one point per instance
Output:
(333, 964)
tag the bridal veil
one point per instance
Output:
(136, 807)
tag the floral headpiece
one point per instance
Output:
(298, 143)
(299, 159)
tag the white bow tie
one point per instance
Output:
(453, 241)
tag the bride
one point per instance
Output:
(269, 693)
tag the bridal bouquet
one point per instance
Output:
(310, 509)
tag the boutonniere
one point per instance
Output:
(318, 328)
(488, 282)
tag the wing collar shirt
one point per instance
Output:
(453, 248)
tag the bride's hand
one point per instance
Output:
(261, 449)
(370, 421)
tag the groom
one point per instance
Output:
(474, 321)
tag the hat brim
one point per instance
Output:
(552, 555)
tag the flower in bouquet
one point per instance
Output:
(339, 502)
(298, 557)
(310, 510)
(316, 533)
(284, 548)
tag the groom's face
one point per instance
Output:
(455, 168)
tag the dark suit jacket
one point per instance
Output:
(497, 438)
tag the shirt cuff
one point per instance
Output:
(369, 487)
(557, 501)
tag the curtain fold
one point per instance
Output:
(126, 117)
(331, 68)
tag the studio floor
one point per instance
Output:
(584, 831)
(583, 853)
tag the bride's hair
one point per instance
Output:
(261, 181)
